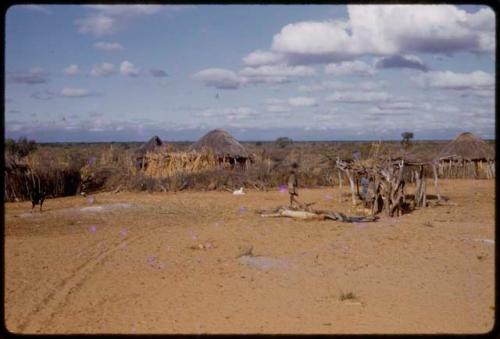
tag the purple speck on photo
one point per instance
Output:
(328, 197)
(359, 225)
(90, 200)
(243, 210)
(194, 237)
(198, 260)
(283, 189)
(92, 229)
(123, 232)
(151, 259)
(91, 160)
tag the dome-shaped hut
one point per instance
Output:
(467, 156)
(224, 146)
(155, 144)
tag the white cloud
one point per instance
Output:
(259, 58)
(126, 10)
(108, 46)
(275, 73)
(350, 68)
(315, 40)
(302, 102)
(230, 113)
(107, 19)
(278, 108)
(328, 85)
(218, 78)
(75, 92)
(103, 69)
(358, 97)
(269, 74)
(37, 8)
(36, 75)
(127, 68)
(398, 105)
(457, 81)
(72, 70)
(97, 25)
(387, 30)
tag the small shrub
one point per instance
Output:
(347, 296)
(283, 142)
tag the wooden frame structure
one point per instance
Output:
(388, 191)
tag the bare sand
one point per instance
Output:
(176, 263)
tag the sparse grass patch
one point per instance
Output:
(347, 296)
(246, 252)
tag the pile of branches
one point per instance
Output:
(387, 183)
(307, 213)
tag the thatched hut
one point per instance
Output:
(155, 144)
(466, 156)
(224, 146)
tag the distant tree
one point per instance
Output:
(283, 141)
(406, 142)
(258, 143)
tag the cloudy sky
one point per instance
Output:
(123, 73)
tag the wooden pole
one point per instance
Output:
(351, 182)
(434, 171)
(340, 185)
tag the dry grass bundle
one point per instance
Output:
(166, 164)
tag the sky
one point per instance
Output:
(99, 73)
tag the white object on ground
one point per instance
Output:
(488, 241)
(239, 192)
(103, 208)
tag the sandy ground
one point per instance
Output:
(172, 263)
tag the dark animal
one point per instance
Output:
(37, 197)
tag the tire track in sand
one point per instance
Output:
(41, 315)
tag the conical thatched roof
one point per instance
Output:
(468, 147)
(154, 144)
(221, 143)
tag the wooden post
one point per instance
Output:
(434, 171)
(357, 185)
(351, 182)
(422, 186)
(340, 185)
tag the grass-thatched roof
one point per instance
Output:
(468, 147)
(153, 145)
(416, 154)
(222, 144)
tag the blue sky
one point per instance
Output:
(325, 72)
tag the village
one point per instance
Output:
(236, 224)
(248, 168)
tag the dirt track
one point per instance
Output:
(132, 264)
